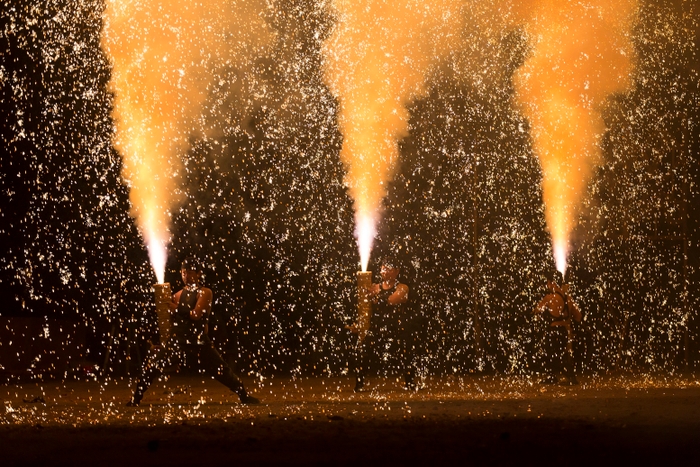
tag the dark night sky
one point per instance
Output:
(266, 206)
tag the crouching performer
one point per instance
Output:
(188, 341)
(558, 310)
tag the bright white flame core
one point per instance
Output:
(365, 233)
(157, 253)
(560, 252)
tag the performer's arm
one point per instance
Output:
(540, 307)
(203, 304)
(575, 312)
(372, 292)
(399, 296)
(175, 301)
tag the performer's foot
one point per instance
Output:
(413, 387)
(359, 387)
(549, 380)
(249, 400)
(570, 382)
(133, 403)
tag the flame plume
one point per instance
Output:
(376, 62)
(581, 54)
(165, 55)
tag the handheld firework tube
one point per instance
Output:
(163, 298)
(364, 303)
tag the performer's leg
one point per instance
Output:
(550, 355)
(158, 359)
(360, 363)
(559, 352)
(569, 364)
(407, 349)
(215, 366)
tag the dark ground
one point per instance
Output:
(639, 420)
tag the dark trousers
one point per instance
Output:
(556, 358)
(204, 356)
(399, 343)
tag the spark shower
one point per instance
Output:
(165, 56)
(502, 134)
(377, 60)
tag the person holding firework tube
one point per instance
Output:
(188, 340)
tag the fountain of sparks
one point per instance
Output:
(157, 237)
(581, 55)
(164, 56)
(401, 43)
(560, 255)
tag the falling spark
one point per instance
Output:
(581, 54)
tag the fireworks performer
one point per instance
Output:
(189, 341)
(391, 322)
(558, 310)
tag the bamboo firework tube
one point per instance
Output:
(163, 298)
